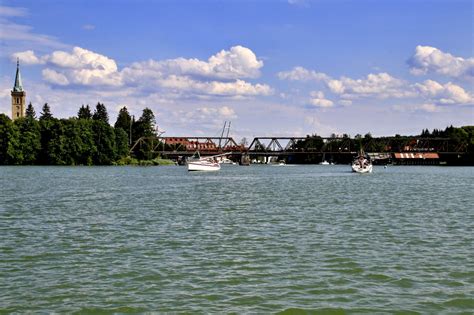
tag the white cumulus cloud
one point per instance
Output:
(336, 86)
(220, 75)
(380, 85)
(429, 59)
(448, 93)
(81, 58)
(216, 88)
(318, 100)
(28, 57)
(81, 66)
(236, 63)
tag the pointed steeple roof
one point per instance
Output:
(18, 87)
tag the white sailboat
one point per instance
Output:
(208, 163)
(362, 163)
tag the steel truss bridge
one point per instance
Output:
(285, 146)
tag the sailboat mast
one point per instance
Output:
(228, 130)
(222, 133)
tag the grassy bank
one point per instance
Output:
(132, 161)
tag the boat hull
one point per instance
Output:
(203, 166)
(362, 170)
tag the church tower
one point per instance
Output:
(18, 95)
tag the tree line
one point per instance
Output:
(87, 139)
(458, 138)
(451, 139)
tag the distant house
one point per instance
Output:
(416, 158)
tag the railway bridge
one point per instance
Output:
(310, 149)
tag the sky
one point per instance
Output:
(272, 68)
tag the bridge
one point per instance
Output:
(282, 146)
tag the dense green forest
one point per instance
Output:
(87, 139)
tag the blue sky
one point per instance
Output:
(288, 68)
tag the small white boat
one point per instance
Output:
(362, 164)
(225, 160)
(198, 163)
(324, 163)
(279, 163)
(203, 165)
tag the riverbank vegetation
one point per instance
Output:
(87, 139)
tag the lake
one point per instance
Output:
(256, 239)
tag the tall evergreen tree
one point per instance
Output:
(149, 122)
(84, 112)
(46, 112)
(145, 125)
(30, 112)
(100, 113)
(124, 121)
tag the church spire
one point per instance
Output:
(18, 95)
(18, 87)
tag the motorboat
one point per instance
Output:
(198, 163)
(362, 164)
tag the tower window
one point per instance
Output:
(17, 115)
(18, 100)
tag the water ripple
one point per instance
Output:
(295, 240)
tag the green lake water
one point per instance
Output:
(257, 239)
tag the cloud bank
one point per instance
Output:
(222, 74)
(430, 93)
(429, 59)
